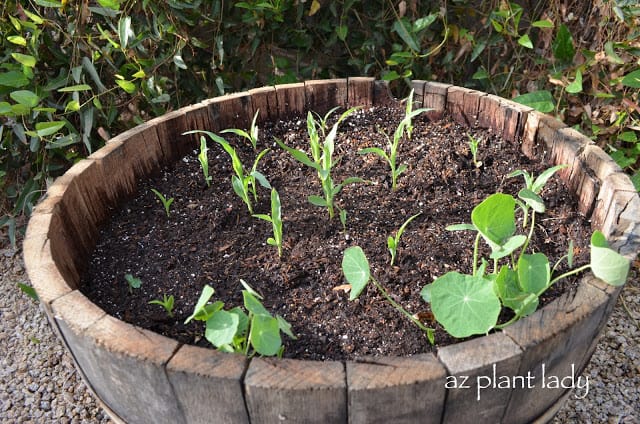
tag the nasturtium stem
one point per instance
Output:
(399, 307)
(476, 246)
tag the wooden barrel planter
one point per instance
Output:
(141, 377)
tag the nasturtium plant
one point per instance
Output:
(252, 332)
(466, 305)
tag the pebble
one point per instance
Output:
(38, 382)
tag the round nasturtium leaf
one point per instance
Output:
(464, 304)
(221, 328)
(494, 218)
(355, 267)
(265, 335)
(607, 264)
(534, 273)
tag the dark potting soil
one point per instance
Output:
(210, 237)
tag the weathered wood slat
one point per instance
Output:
(475, 368)
(125, 365)
(291, 100)
(323, 95)
(396, 390)
(265, 101)
(208, 385)
(229, 111)
(435, 97)
(360, 91)
(296, 391)
(554, 341)
(169, 128)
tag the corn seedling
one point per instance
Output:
(474, 144)
(276, 221)
(394, 242)
(166, 303)
(243, 182)
(322, 161)
(165, 202)
(204, 160)
(251, 136)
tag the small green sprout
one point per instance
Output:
(252, 135)
(393, 242)
(355, 267)
(165, 202)
(166, 303)
(29, 291)
(132, 282)
(250, 333)
(243, 182)
(204, 160)
(529, 195)
(392, 156)
(474, 143)
(322, 161)
(276, 221)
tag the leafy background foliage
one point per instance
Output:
(74, 73)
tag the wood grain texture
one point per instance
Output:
(554, 340)
(396, 390)
(490, 113)
(323, 95)
(265, 100)
(295, 391)
(360, 91)
(169, 128)
(291, 100)
(121, 182)
(479, 360)
(208, 385)
(228, 111)
(125, 365)
(435, 97)
(530, 146)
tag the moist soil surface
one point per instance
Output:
(210, 237)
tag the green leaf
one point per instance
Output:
(124, 31)
(534, 273)
(285, 327)
(546, 23)
(24, 59)
(127, 86)
(508, 247)
(576, 86)
(542, 179)
(424, 22)
(110, 4)
(628, 137)
(342, 31)
(317, 200)
(506, 285)
(265, 335)
(221, 328)
(44, 129)
(464, 305)
(534, 201)
(494, 218)
(72, 88)
(16, 39)
(611, 54)
(207, 292)
(48, 3)
(563, 49)
(243, 321)
(632, 79)
(606, 264)
(13, 79)
(179, 62)
(29, 291)
(355, 267)
(253, 305)
(25, 98)
(461, 227)
(525, 41)
(402, 27)
(542, 100)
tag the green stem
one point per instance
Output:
(399, 307)
(476, 247)
(568, 274)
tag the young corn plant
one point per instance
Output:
(323, 162)
(204, 160)
(518, 278)
(474, 144)
(276, 221)
(253, 332)
(166, 203)
(166, 302)
(392, 156)
(357, 272)
(394, 241)
(251, 135)
(244, 183)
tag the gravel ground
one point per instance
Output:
(39, 384)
